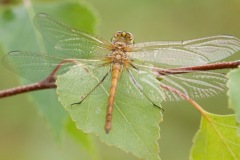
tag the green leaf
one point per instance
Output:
(135, 120)
(217, 139)
(234, 92)
(17, 33)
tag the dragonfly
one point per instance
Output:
(171, 62)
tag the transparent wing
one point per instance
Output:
(64, 38)
(36, 66)
(186, 53)
(195, 84)
(145, 83)
(198, 84)
(84, 81)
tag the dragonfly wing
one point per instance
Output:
(186, 53)
(197, 84)
(84, 81)
(139, 86)
(69, 40)
(36, 66)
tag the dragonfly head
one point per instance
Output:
(123, 37)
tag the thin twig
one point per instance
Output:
(46, 84)
(187, 98)
(49, 82)
(206, 67)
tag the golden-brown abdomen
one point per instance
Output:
(116, 69)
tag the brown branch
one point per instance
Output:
(205, 67)
(46, 84)
(49, 82)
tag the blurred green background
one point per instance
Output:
(24, 133)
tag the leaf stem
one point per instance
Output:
(187, 98)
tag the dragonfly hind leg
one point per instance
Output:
(83, 98)
(136, 84)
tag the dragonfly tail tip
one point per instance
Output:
(107, 130)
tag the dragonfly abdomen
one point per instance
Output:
(116, 69)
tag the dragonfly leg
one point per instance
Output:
(137, 85)
(100, 82)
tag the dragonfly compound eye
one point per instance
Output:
(122, 36)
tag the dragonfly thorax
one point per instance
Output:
(119, 57)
